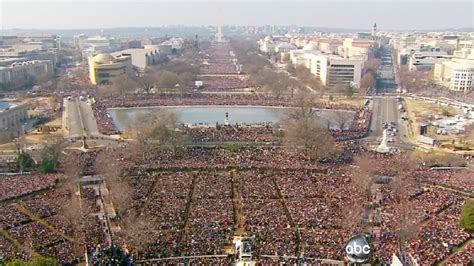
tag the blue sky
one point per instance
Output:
(398, 15)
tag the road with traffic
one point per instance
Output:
(385, 110)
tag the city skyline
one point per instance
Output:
(403, 15)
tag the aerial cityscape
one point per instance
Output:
(236, 133)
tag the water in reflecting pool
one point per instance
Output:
(126, 117)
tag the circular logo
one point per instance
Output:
(358, 249)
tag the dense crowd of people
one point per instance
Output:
(220, 59)
(264, 132)
(277, 200)
(12, 186)
(451, 178)
(437, 239)
(288, 205)
(463, 256)
(22, 224)
(105, 124)
(224, 83)
(193, 200)
(41, 224)
(359, 127)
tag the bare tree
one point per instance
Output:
(120, 190)
(342, 119)
(122, 83)
(363, 176)
(402, 185)
(305, 76)
(136, 231)
(362, 180)
(185, 80)
(414, 80)
(308, 136)
(367, 80)
(372, 64)
(161, 130)
(167, 80)
(147, 80)
(303, 102)
(72, 208)
(469, 134)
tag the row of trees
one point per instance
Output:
(49, 159)
(370, 73)
(21, 84)
(176, 76)
(414, 80)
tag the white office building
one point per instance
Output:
(333, 71)
(12, 118)
(141, 58)
(456, 74)
(425, 60)
(20, 71)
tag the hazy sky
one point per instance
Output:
(416, 14)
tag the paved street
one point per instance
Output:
(386, 77)
(385, 110)
(88, 119)
(74, 123)
(80, 119)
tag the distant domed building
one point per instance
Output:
(103, 59)
(103, 67)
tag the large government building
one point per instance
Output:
(103, 67)
(12, 117)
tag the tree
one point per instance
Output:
(307, 136)
(372, 65)
(44, 80)
(147, 80)
(349, 90)
(24, 161)
(50, 158)
(122, 83)
(304, 75)
(303, 102)
(469, 134)
(363, 176)
(75, 211)
(291, 69)
(467, 215)
(402, 186)
(367, 80)
(167, 80)
(185, 80)
(161, 130)
(362, 179)
(62, 84)
(108, 165)
(413, 80)
(342, 118)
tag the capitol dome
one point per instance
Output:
(103, 58)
